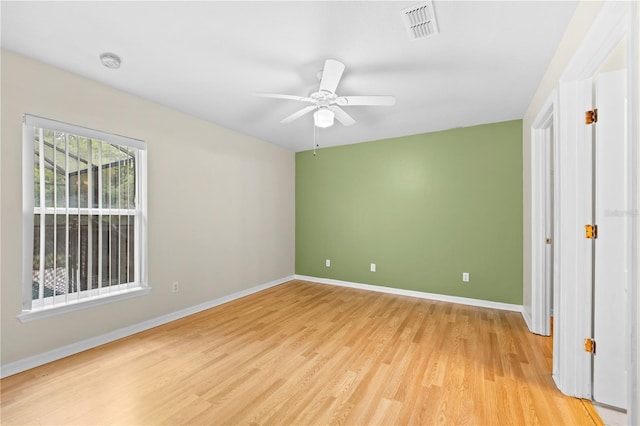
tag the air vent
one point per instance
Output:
(420, 21)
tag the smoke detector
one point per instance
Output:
(110, 60)
(420, 20)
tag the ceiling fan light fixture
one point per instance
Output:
(323, 118)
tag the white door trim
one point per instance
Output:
(541, 128)
(573, 372)
(633, 141)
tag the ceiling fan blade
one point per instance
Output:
(279, 96)
(331, 75)
(342, 116)
(366, 100)
(299, 114)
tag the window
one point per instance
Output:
(84, 217)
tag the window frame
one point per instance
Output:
(90, 297)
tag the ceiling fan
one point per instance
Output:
(326, 103)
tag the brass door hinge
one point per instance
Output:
(591, 232)
(590, 345)
(591, 117)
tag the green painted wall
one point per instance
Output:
(423, 208)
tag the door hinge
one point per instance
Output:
(591, 116)
(590, 345)
(591, 232)
(548, 240)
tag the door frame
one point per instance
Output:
(543, 130)
(573, 374)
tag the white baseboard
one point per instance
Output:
(83, 345)
(413, 293)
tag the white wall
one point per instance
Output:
(221, 204)
(580, 23)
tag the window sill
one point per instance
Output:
(47, 312)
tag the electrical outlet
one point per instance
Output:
(373, 267)
(465, 277)
(175, 287)
(327, 263)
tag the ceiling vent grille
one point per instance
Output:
(420, 21)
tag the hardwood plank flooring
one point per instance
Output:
(307, 354)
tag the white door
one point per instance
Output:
(610, 263)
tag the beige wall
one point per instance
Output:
(580, 23)
(221, 204)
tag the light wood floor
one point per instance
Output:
(307, 354)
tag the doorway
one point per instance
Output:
(575, 265)
(543, 190)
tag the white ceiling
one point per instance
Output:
(208, 59)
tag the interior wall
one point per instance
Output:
(423, 208)
(580, 23)
(220, 204)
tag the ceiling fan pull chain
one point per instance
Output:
(315, 139)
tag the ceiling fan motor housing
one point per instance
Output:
(323, 96)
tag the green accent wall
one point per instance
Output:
(423, 208)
